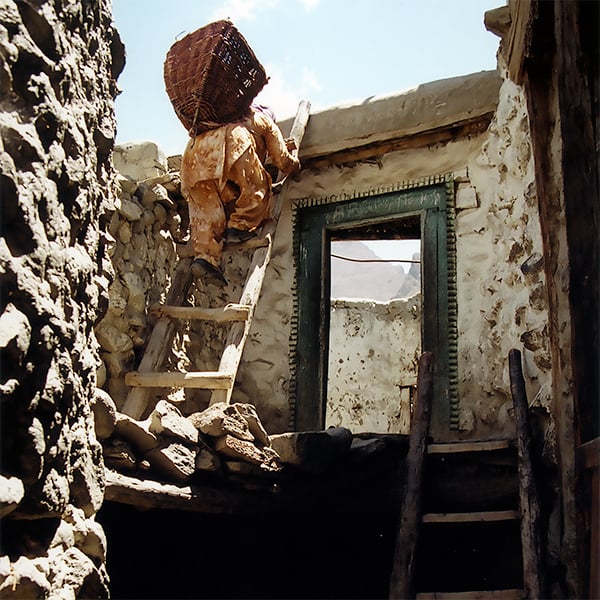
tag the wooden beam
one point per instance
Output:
(498, 20)
(409, 142)
(231, 312)
(458, 447)
(531, 540)
(511, 594)
(401, 579)
(472, 517)
(147, 494)
(204, 380)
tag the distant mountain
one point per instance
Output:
(373, 280)
(412, 282)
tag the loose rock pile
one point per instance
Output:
(225, 442)
(221, 439)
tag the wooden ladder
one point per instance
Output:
(239, 315)
(424, 549)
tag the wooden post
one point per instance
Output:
(401, 579)
(528, 498)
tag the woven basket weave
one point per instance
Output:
(212, 76)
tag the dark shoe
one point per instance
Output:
(238, 236)
(201, 267)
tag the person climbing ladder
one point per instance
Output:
(228, 187)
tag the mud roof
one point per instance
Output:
(378, 119)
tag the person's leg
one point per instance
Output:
(207, 228)
(253, 205)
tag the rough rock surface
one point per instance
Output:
(59, 64)
(173, 447)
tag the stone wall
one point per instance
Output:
(501, 284)
(60, 61)
(144, 225)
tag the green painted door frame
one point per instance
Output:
(315, 223)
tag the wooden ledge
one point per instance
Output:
(477, 446)
(478, 595)
(472, 517)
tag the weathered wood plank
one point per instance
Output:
(147, 494)
(472, 517)
(231, 312)
(458, 447)
(528, 497)
(512, 594)
(205, 380)
(401, 579)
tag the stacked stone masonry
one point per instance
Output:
(58, 71)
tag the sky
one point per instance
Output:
(329, 52)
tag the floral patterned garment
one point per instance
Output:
(225, 182)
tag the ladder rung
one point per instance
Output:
(511, 594)
(206, 380)
(231, 312)
(458, 447)
(472, 517)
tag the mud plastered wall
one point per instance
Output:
(501, 290)
(59, 64)
(501, 297)
(501, 284)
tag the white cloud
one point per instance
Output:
(284, 95)
(243, 10)
(310, 4)
(278, 94)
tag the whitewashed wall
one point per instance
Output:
(501, 296)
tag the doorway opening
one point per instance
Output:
(419, 212)
(374, 326)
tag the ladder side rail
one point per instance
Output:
(401, 579)
(238, 333)
(528, 496)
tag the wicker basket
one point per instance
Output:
(212, 76)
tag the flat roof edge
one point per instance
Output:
(382, 118)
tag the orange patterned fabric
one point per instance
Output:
(225, 182)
